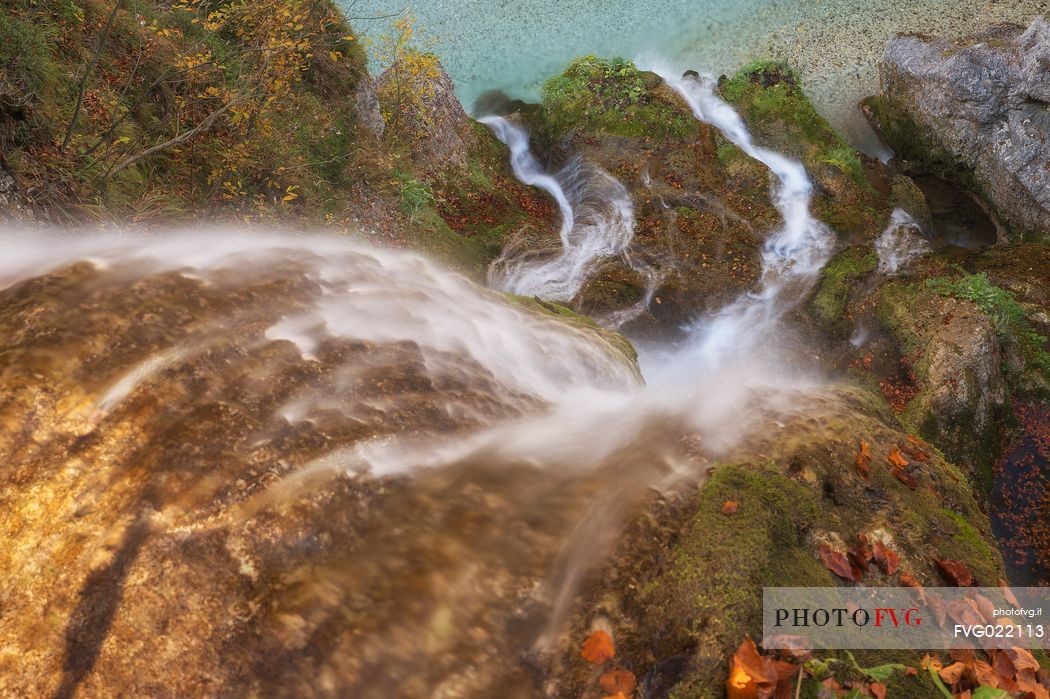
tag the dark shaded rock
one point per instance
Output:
(977, 111)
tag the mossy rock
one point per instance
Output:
(769, 96)
(613, 97)
(686, 586)
(954, 354)
(619, 344)
(837, 281)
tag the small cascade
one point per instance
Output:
(792, 255)
(597, 222)
(900, 243)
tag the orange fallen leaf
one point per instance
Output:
(931, 662)
(917, 442)
(729, 507)
(863, 460)
(887, 558)
(861, 554)
(956, 573)
(916, 454)
(837, 563)
(598, 648)
(952, 673)
(896, 458)
(754, 676)
(618, 682)
(878, 690)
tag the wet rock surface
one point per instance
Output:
(976, 109)
(186, 519)
(162, 541)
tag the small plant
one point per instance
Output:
(415, 195)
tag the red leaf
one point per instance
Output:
(955, 572)
(617, 682)
(861, 553)
(887, 558)
(729, 507)
(863, 460)
(905, 477)
(837, 563)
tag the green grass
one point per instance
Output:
(27, 66)
(415, 195)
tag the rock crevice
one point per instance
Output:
(977, 110)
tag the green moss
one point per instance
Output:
(910, 312)
(970, 544)
(770, 98)
(836, 282)
(897, 302)
(432, 235)
(722, 562)
(614, 97)
(845, 159)
(909, 143)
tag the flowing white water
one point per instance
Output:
(597, 222)
(791, 256)
(424, 373)
(363, 293)
(900, 243)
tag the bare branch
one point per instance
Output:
(180, 138)
(87, 72)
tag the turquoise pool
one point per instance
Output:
(514, 46)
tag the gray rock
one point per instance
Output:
(13, 207)
(424, 111)
(366, 102)
(979, 109)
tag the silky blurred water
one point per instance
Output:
(515, 46)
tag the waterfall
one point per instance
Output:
(597, 221)
(791, 256)
(900, 243)
(480, 457)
